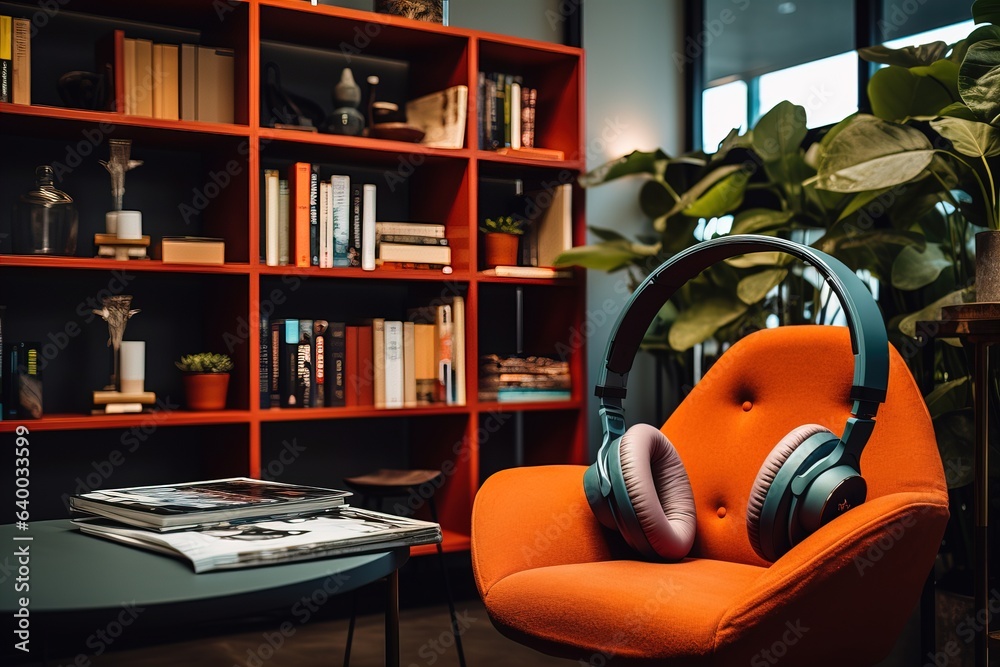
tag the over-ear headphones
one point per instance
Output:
(639, 485)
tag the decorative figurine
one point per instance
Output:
(116, 312)
(346, 119)
(45, 219)
(117, 165)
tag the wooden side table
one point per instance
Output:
(977, 326)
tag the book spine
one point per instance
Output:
(274, 377)
(29, 381)
(337, 368)
(507, 83)
(366, 366)
(354, 244)
(481, 110)
(496, 112)
(515, 114)
(458, 347)
(325, 257)
(171, 82)
(288, 353)
(340, 208)
(409, 365)
(110, 60)
(6, 59)
(283, 231)
(411, 239)
(314, 215)
(305, 369)
(352, 367)
(21, 90)
(525, 117)
(532, 99)
(264, 383)
(368, 229)
(423, 229)
(321, 357)
(409, 266)
(271, 204)
(188, 82)
(378, 361)
(445, 355)
(298, 184)
(394, 364)
(431, 254)
(157, 78)
(425, 352)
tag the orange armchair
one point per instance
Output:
(552, 578)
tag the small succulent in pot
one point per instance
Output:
(505, 224)
(205, 362)
(206, 380)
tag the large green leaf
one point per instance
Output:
(780, 131)
(986, 11)
(914, 268)
(932, 311)
(757, 220)
(691, 196)
(910, 56)
(870, 154)
(898, 93)
(605, 256)
(756, 286)
(636, 162)
(957, 110)
(979, 80)
(655, 199)
(733, 140)
(969, 137)
(703, 318)
(721, 198)
(606, 234)
(953, 395)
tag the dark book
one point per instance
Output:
(6, 58)
(481, 137)
(110, 54)
(264, 383)
(354, 240)
(314, 215)
(411, 239)
(496, 114)
(321, 363)
(305, 369)
(352, 382)
(193, 504)
(25, 397)
(337, 371)
(366, 366)
(286, 351)
(508, 81)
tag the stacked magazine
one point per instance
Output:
(241, 522)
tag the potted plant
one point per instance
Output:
(206, 379)
(501, 240)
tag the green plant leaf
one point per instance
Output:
(910, 56)
(733, 140)
(952, 395)
(898, 93)
(870, 154)
(986, 11)
(606, 256)
(860, 200)
(755, 287)
(979, 79)
(757, 220)
(914, 268)
(636, 162)
(956, 437)
(932, 311)
(655, 199)
(721, 198)
(703, 318)
(698, 189)
(606, 234)
(969, 137)
(780, 132)
(957, 110)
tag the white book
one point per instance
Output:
(340, 207)
(325, 224)
(409, 364)
(515, 115)
(271, 204)
(445, 354)
(368, 229)
(430, 229)
(393, 364)
(458, 347)
(283, 230)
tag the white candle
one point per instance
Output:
(133, 366)
(129, 224)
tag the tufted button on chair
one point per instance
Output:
(552, 578)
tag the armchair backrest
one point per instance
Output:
(760, 389)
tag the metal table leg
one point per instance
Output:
(392, 620)
(981, 537)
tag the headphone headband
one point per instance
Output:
(869, 341)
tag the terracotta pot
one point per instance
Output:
(206, 391)
(988, 266)
(501, 250)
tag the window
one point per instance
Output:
(725, 108)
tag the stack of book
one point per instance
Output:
(507, 116)
(240, 522)
(168, 81)
(382, 363)
(412, 245)
(515, 379)
(15, 60)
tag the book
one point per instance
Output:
(314, 215)
(553, 227)
(285, 341)
(378, 362)
(305, 368)
(264, 357)
(515, 114)
(157, 79)
(441, 116)
(336, 373)
(366, 366)
(6, 58)
(458, 355)
(368, 227)
(428, 254)
(188, 82)
(445, 354)
(21, 53)
(321, 340)
(354, 239)
(109, 55)
(129, 77)
(508, 82)
(325, 224)
(178, 506)
(352, 365)
(531, 153)
(298, 217)
(340, 208)
(425, 372)
(410, 239)
(334, 532)
(409, 365)
(271, 216)
(105, 397)
(527, 272)
(274, 354)
(190, 250)
(214, 87)
(394, 364)
(145, 78)
(410, 266)
(517, 395)
(283, 231)
(426, 229)
(169, 84)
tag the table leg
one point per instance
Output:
(982, 400)
(392, 620)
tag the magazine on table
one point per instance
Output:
(336, 532)
(179, 506)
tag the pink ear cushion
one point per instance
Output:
(659, 490)
(772, 464)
